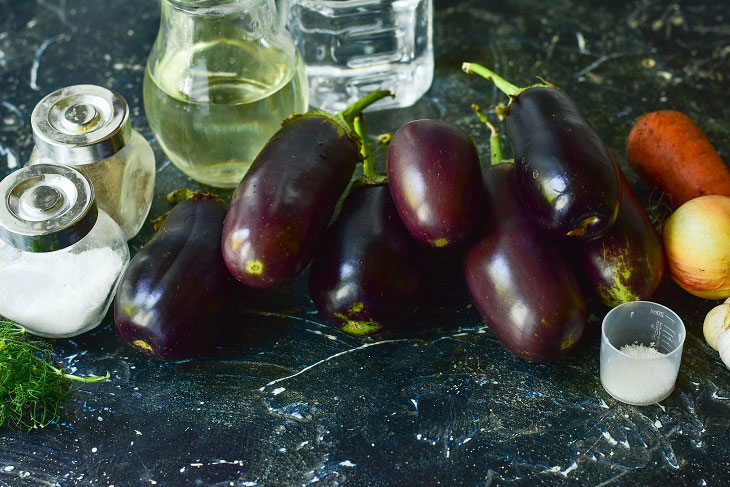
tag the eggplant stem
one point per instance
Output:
(495, 144)
(349, 113)
(368, 165)
(505, 86)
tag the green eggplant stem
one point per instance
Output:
(349, 113)
(368, 164)
(495, 145)
(505, 86)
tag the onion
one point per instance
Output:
(697, 243)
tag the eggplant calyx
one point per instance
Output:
(183, 194)
(189, 194)
(358, 327)
(344, 121)
(512, 91)
(378, 180)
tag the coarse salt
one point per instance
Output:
(647, 380)
(58, 293)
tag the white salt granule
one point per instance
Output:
(59, 294)
(647, 380)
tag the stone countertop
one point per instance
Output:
(291, 401)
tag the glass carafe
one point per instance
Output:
(220, 78)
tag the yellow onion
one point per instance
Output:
(697, 243)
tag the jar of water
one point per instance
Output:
(353, 47)
(221, 77)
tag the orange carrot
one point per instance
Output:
(673, 153)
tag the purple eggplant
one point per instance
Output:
(285, 201)
(627, 263)
(174, 296)
(518, 279)
(435, 179)
(364, 275)
(567, 180)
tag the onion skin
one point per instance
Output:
(697, 244)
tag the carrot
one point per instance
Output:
(673, 153)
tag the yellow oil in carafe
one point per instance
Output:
(213, 107)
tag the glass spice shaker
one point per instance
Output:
(88, 127)
(60, 257)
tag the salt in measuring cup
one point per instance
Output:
(641, 349)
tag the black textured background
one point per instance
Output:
(291, 401)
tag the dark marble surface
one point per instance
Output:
(290, 401)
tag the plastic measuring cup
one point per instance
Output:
(639, 375)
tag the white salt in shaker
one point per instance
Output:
(88, 127)
(60, 257)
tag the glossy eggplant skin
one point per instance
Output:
(174, 297)
(627, 263)
(285, 201)
(567, 180)
(364, 275)
(435, 179)
(518, 279)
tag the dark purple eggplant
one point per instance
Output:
(174, 295)
(567, 180)
(435, 179)
(518, 279)
(364, 274)
(627, 263)
(285, 201)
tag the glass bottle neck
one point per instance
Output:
(202, 20)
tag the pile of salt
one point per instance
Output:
(636, 380)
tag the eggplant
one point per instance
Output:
(567, 180)
(627, 263)
(435, 179)
(519, 281)
(364, 275)
(285, 201)
(174, 296)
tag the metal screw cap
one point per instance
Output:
(46, 207)
(81, 124)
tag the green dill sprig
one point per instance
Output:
(33, 386)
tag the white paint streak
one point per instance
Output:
(278, 390)
(610, 438)
(331, 357)
(581, 42)
(348, 463)
(565, 472)
(37, 60)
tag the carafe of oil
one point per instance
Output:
(221, 77)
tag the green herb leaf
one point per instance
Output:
(33, 387)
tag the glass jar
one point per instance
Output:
(88, 127)
(61, 258)
(221, 77)
(354, 47)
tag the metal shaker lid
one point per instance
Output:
(46, 207)
(81, 124)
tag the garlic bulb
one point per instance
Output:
(717, 330)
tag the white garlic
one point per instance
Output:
(717, 330)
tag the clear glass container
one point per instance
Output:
(641, 350)
(88, 127)
(221, 77)
(353, 47)
(61, 258)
